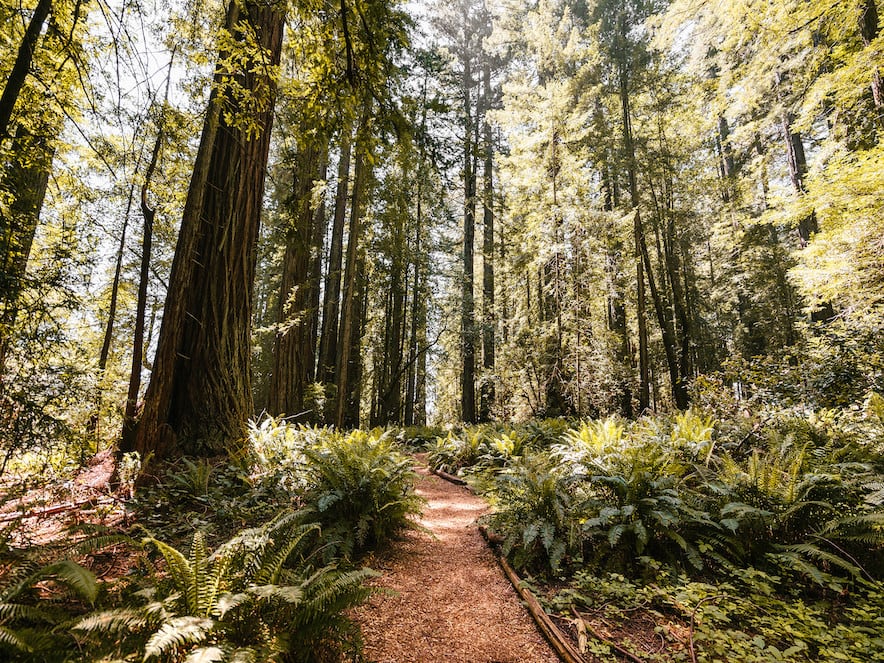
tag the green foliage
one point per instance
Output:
(536, 514)
(747, 615)
(805, 500)
(30, 628)
(457, 451)
(360, 488)
(258, 596)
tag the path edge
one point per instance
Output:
(558, 640)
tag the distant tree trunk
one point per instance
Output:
(468, 321)
(22, 65)
(488, 317)
(104, 353)
(616, 307)
(360, 313)
(127, 439)
(26, 177)
(644, 397)
(331, 300)
(317, 247)
(390, 405)
(344, 375)
(200, 390)
(679, 389)
(293, 354)
(416, 304)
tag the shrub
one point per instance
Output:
(361, 489)
(535, 514)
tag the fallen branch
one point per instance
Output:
(52, 510)
(691, 631)
(493, 538)
(550, 631)
(613, 645)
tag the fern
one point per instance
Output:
(255, 597)
(26, 624)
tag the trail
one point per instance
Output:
(452, 603)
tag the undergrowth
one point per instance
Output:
(765, 530)
(255, 556)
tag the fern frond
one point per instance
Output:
(205, 655)
(176, 633)
(13, 611)
(179, 566)
(12, 640)
(113, 621)
(270, 567)
(81, 581)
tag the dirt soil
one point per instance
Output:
(452, 602)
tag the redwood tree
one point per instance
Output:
(200, 393)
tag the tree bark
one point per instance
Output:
(22, 65)
(488, 316)
(468, 322)
(331, 302)
(127, 439)
(200, 391)
(293, 355)
(344, 372)
(27, 177)
(638, 235)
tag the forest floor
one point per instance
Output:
(445, 598)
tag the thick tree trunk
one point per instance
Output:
(331, 300)
(26, 177)
(468, 316)
(200, 392)
(22, 65)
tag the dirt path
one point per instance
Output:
(452, 602)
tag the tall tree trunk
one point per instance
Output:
(391, 392)
(360, 313)
(488, 316)
(22, 65)
(644, 398)
(200, 393)
(293, 356)
(331, 299)
(679, 389)
(27, 178)
(317, 248)
(127, 439)
(351, 303)
(468, 316)
(616, 307)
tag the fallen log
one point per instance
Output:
(587, 628)
(550, 631)
(52, 510)
(449, 477)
